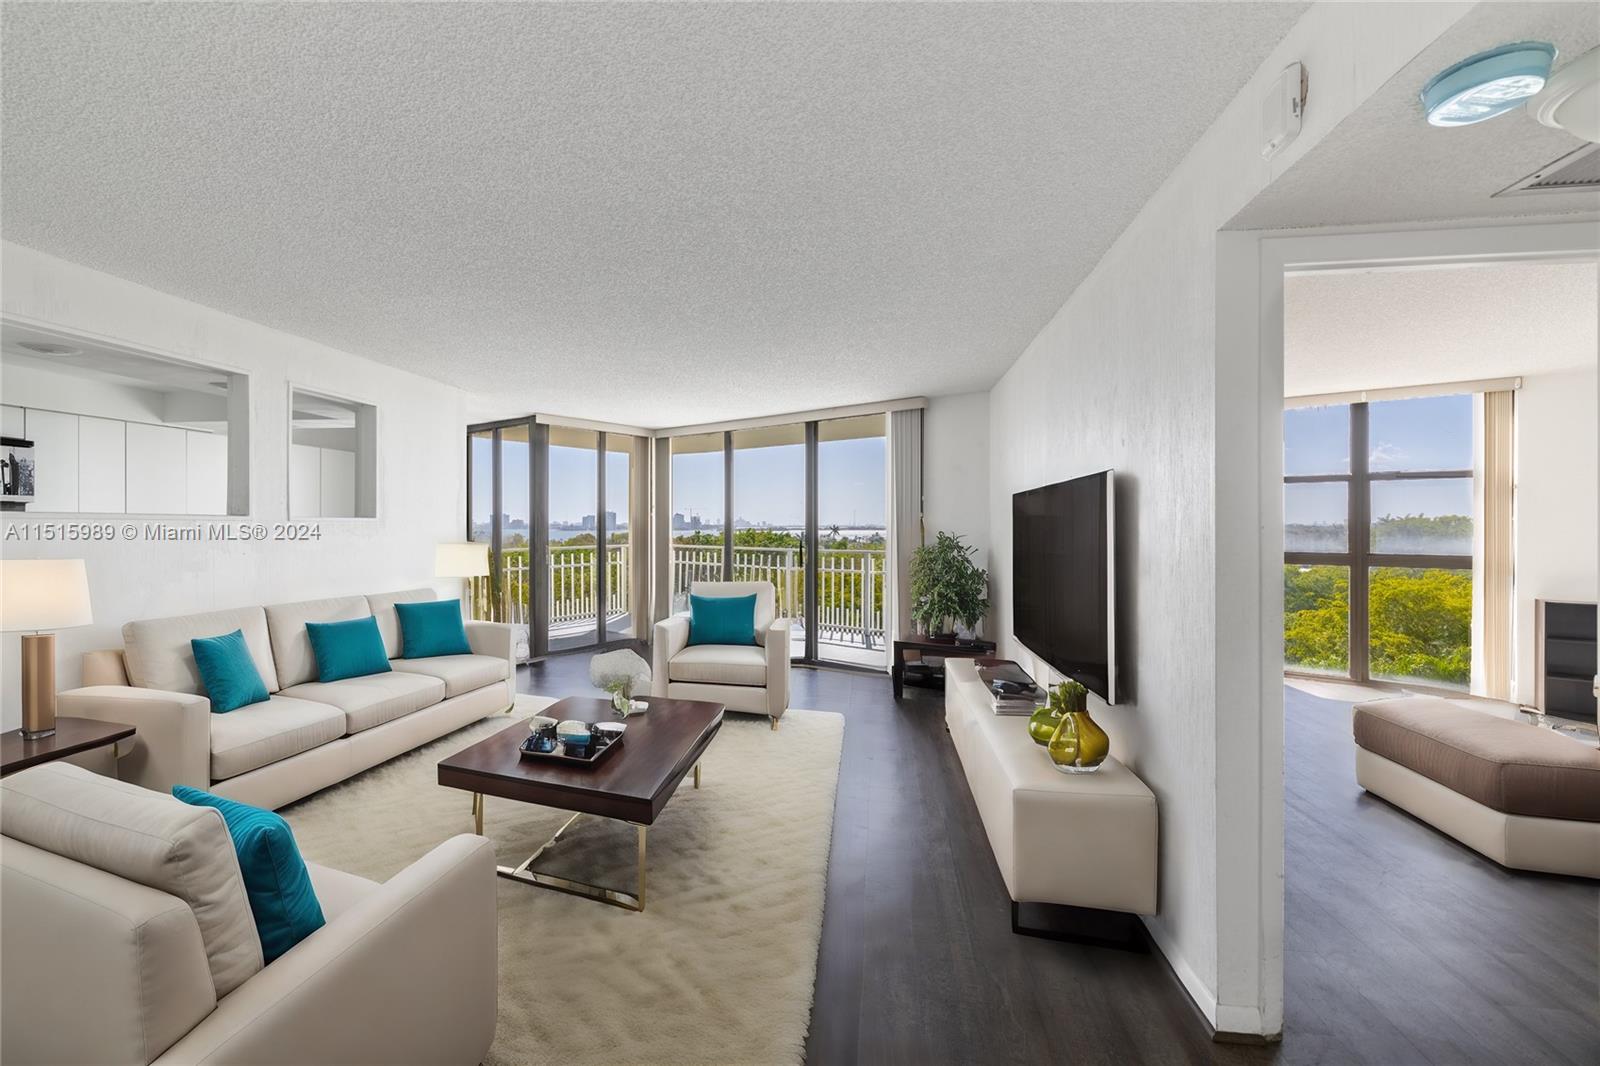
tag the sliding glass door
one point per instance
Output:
(501, 513)
(620, 582)
(802, 506)
(699, 499)
(769, 524)
(558, 507)
(1378, 540)
(574, 532)
(483, 593)
(851, 526)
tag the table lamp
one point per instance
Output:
(38, 595)
(465, 561)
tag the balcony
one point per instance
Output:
(850, 593)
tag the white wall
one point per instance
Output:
(955, 472)
(1126, 376)
(1557, 481)
(423, 444)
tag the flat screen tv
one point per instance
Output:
(1063, 579)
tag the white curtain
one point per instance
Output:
(905, 516)
(1498, 541)
(661, 533)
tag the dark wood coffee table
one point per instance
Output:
(632, 784)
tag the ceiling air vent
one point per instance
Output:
(1577, 171)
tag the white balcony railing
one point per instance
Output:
(850, 591)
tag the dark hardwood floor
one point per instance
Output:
(1401, 946)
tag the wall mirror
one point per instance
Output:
(96, 428)
(333, 456)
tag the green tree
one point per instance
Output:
(1316, 617)
(1421, 624)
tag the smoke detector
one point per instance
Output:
(1570, 100)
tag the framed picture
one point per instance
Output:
(16, 472)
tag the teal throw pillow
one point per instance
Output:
(227, 671)
(282, 900)
(432, 627)
(722, 619)
(347, 649)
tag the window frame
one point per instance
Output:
(1359, 556)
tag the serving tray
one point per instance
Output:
(593, 752)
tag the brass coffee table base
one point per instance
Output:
(525, 873)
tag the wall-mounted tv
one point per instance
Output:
(1063, 578)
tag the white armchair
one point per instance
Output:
(741, 677)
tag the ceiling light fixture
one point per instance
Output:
(1487, 84)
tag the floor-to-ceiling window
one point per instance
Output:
(769, 524)
(574, 526)
(552, 501)
(852, 519)
(803, 505)
(616, 517)
(500, 513)
(1378, 534)
(516, 534)
(481, 515)
(699, 501)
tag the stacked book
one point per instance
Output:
(1012, 690)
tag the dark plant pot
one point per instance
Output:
(942, 638)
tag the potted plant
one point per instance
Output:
(947, 587)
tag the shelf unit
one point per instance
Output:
(1565, 647)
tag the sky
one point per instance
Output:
(1430, 433)
(769, 483)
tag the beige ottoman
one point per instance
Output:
(1526, 797)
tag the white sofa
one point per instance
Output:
(741, 677)
(129, 939)
(309, 734)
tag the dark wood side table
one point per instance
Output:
(72, 737)
(971, 649)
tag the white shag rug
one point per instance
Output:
(720, 966)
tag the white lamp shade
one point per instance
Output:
(461, 560)
(43, 594)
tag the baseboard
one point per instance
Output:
(1201, 996)
(1238, 1025)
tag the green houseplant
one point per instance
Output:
(946, 585)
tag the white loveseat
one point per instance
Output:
(309, 734)
(129, 940)
(741, 677)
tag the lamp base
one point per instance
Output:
(38, 685)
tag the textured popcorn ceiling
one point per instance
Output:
(1385, 163)
(652, 214)
(1389, 329)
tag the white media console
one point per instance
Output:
(1074, 840)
